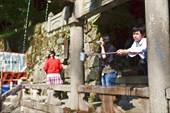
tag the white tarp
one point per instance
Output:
(13, 62)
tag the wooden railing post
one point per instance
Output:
(108, 105)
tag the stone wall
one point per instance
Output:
(40, 43)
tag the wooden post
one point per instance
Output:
(76, 46)
(158, 34)
(77, 67)
(108, 105)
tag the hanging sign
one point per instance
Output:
(13, 62)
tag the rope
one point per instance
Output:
(26, 25)
(46, 12)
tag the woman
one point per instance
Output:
(53, 67)
(107, 64)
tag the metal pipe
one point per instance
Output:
(96, 54)
(83, 55)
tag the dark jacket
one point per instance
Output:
(109, 60)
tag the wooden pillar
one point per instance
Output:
(77, 67)
(157, 27)
(76, 46)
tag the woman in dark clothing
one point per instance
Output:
(107, 65)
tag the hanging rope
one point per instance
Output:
(46, 12)
(26, 25)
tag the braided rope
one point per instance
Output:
(26, 25)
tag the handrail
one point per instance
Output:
(15, 89)
(106, 91)
(109, 90)
(45, 86)
(115, 90)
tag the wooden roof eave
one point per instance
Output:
(106, 5)
(62, 1)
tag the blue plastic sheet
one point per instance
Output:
(6, 87)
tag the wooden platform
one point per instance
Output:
(132, 80)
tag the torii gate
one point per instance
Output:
(158, 34)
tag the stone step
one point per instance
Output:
(10, 98)
(8, 101)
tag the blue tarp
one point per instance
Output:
(6, 87)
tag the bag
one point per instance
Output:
(108, 69)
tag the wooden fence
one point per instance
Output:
(107, 96)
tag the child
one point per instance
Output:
(139, 47)
(53, 67)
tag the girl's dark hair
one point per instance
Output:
(139, 27)
(51, 53)
(106, 39)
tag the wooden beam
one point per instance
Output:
(115, 90)
(112, 90)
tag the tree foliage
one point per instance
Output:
(13, 13)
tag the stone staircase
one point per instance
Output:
(129, 104)
(11, 102)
